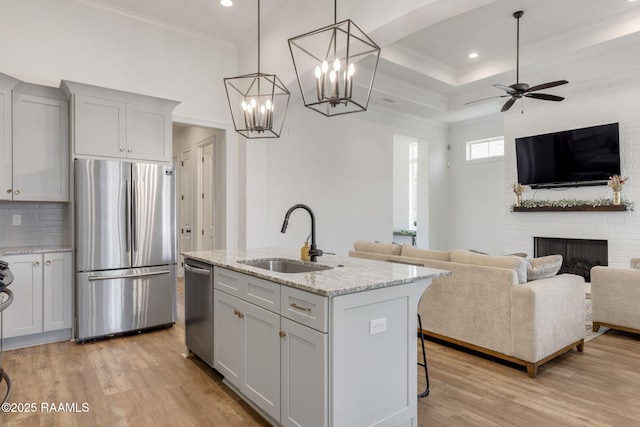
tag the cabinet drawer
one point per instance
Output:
(228, 281)
(305, 308)
(262, 293)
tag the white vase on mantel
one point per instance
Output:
(616, 198)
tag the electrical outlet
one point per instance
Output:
(17, 220)
(377, 325)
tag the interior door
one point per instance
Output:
(207, 217)
(101, 214)
(152, 215)
(185, 201)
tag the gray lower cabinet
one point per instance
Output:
(42, 306)
(303, 375)
(306, 360)
(276, 363)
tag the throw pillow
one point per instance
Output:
(543, 267)
(520, 254)
(378, 248)
(478, 252)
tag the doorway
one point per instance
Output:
(200, 189)
(410, 191)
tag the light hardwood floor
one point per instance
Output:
(143, 380)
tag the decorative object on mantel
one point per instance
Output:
(519, 189)
(324, 61)
(616, 182)
(264, 101)
(603, 205)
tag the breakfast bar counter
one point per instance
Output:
(346, 275)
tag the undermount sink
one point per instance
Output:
(284, 265)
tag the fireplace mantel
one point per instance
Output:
(577, 208)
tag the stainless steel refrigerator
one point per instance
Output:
(125, 247)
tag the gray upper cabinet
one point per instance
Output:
(6, 145)
(37, 167)
(108, 123)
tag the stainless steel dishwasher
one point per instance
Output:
(198, 309)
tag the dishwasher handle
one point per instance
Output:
(202, 271)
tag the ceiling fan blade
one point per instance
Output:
(544, 96)
(507, 89)
(485, 99)
(508, 105)
(547, 85)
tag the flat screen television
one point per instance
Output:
(587, 156)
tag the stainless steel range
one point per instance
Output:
(6, 298)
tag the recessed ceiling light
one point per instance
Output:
(473, 55)
(226, 3)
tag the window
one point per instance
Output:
(485, 148)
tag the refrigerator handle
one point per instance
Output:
(134, 217)
(128, 215)
(128, 276)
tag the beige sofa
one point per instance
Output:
(488, 305)
(615, 296)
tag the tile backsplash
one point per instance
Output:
(42, 224)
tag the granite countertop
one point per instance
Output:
(348, 275)
(24, 250)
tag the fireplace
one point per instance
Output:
(578, 255)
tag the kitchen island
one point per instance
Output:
(333, 347)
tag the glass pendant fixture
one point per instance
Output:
(335, 67)
(260, 100)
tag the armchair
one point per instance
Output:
(615, 297)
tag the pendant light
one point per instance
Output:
(335, 67)
(260, 101)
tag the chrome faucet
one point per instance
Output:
(314, 252)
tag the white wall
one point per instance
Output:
(604, 102)
(342, 167)
(476, 190)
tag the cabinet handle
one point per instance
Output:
(17, 191)
(296, 306)
(282, 334)
(130, 150)
(122, 149)
(48, 262)
(37, 263)
(10, 190)
(238, 313)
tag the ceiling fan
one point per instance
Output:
(519, 90)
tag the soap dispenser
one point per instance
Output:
(304, 251)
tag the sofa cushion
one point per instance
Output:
(413, 252)
(635, 263)
(378, 248)
(543, 267)
(507, 261)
